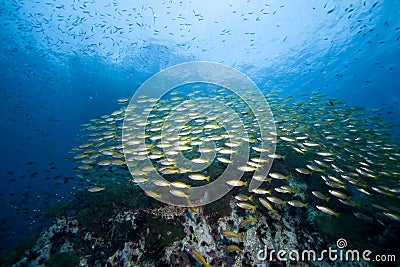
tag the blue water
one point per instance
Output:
(64, 63)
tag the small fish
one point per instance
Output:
(328, 211)
(260, 191)
(298, 150)
(259, 149)
(259, 160)
(290, 189)
(212, 126)
(123, 100)
(153, 194)
(335, 185)
(179, 193)
(253, 164)
(95, 189)
(234, 248)
(287, 139)
(364, 191)
(228, 233)
(232, 144)
(85, 167)
(246, 206)
(310, 144)
(180, 185)
(351, 203)
(242, 197)
(281, 190)
(246, 168)
(314, 168)
(104, 163)
(199, 258)
(338, 194)
(169, 171)
(140, 180)
(325, 154)
(276, 156)
(320, 163)
(262, 178)
(303, 171)
(268, 205)
(247, 222)
(148, 169)
(379, 207)
(204, 150)
(362, 216)
(227, 151)
(392, 215)
(224, 160)
(161, 183)
(199, 177)
(278, 176)
(236, 183)
(297, 204)
(194, 209)
(199, 161)
(276, 200)
(138, 173)
(320, 196)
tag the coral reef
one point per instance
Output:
(102, 230)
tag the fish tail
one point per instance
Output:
(251, 198)
(208, 178)
(337, 215)
(327, 199)
(242, 235)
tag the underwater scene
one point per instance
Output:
(200, 133)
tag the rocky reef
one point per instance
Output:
(101, 229)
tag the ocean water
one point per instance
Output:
(324, 68)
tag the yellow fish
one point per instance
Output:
(234, 248)
(95, 189)
(199, 258)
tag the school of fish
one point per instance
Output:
(330, 157)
